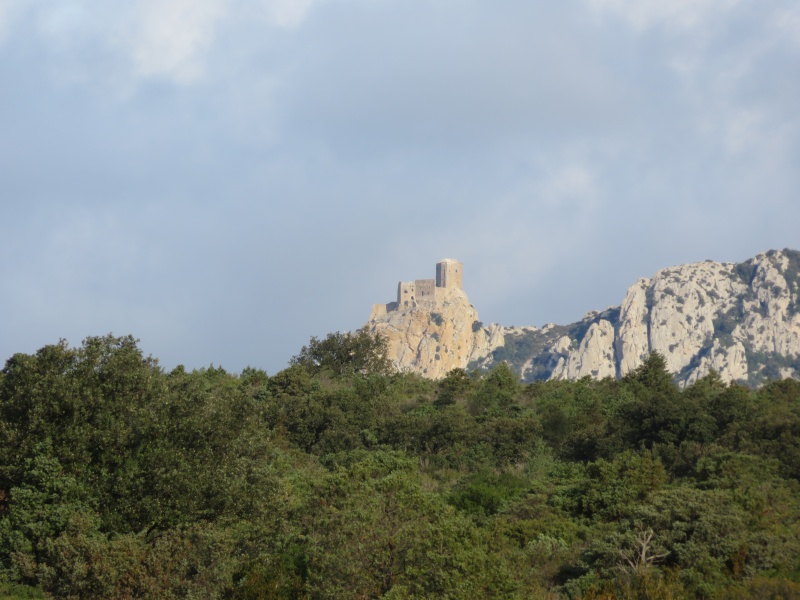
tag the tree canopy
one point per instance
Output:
(337, 479)
(342, 353)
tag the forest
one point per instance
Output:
(338, 478)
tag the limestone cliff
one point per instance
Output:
(435, 336)
(742, 320)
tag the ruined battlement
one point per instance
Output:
(423, 292)
(430, 328)
(449, 273)
(414, 293)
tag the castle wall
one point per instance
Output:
(449, 273)
(378, 311)
(406, 292)
(425, 289)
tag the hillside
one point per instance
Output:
(333, 479)
(432, 328)
(739, 319)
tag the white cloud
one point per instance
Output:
(62, 19)
(170, 37)
(162, 39)
(787, 24)
(571, 186)
(288, 13)
(7, 10)
(523, 232)
(730, 84)
(671, 14)
(743, 131)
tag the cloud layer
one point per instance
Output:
(224, 179)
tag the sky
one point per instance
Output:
(223, 179)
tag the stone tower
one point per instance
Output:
(449, 273)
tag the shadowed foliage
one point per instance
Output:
(336, 479)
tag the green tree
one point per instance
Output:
(90, 404)
(42, 506)
(496, 391)
(485, 493)
(374, 532)
(776, 429)
(659, 414)
(344, 353)
(613, 488)
(455, 386)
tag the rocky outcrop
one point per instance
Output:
(633, 338)
(737, 319)
(741, 320)
(486, 340)
(730, 363)
(594, 356)
(434, 337)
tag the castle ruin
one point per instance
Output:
(425, 292)
(449, 274)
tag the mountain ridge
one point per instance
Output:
(741, 320)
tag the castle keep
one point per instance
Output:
(423, 292)
(448, 274)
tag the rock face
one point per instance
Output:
(741, 320)
(594, 357)
(432, 328)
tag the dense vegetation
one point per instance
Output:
(334, 479)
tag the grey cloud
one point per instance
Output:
(427, 77)
(558, 151)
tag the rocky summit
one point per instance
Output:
(741, 320)
(432, 328)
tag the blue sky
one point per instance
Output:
(225, 178)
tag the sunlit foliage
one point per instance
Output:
(336, 478)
